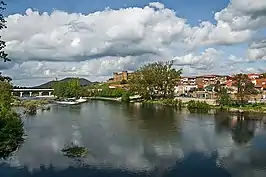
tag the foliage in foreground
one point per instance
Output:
(11, 126)
(125, 97)
(224, 98)
(11, 132)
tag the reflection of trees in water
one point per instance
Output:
(72, 109)
(194, 165)
(156, 123)
(222, 121)
(243, 130)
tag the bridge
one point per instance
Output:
(31, 92)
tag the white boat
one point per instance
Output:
(72, 101)
(81, 100)
(67, 102)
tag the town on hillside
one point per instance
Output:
(199, 86)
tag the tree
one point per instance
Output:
(155, 79)
(245, 87)
(224, 98)
(5, 78)
(125, 97)
(67, 89)
(3, 55)
(5, 96)
(11, 126)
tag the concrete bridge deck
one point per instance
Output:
(31, 90)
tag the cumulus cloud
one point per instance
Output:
(244, 14)
(62, 36)
(94, 45)
(203, 61)
(257, 50)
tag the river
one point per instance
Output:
(139, 140)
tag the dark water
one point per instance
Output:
(139, 140)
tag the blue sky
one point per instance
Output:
(192, 10)
(65, 43)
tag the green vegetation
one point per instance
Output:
(257, 107)
(3, 55)
(245, 88)
(11, 126)
(125, 97)
(155, 80)
(30, 106)
(198, 106)
(74, 151)
(224, 98)
(167, 102)
(68, 89)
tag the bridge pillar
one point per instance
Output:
(21, 94)
(30, 94)
(50, 93)
(40, 93)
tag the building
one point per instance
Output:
(203, 81)
(253, 76)
(188, 81)
(118, 77)
(260, 84)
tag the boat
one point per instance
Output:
(67, 102)
(71, 101)
(81, 100)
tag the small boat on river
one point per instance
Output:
(71, 101)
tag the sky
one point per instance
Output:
(81, 38)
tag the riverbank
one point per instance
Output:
(105, 98)
(261, 108)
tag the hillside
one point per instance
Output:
(83, 82)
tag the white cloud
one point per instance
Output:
(257, 50)
(244, 14)
(205, 60)
(94, 45)
(62, 36)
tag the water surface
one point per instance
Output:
(139, 140)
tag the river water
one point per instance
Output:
(139, 140)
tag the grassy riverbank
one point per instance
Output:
(201, 105)
(256, 108)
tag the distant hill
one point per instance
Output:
(83, 82)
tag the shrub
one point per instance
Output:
(125, 97)
(11, 133)
(198, 106)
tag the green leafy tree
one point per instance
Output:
(155, 79)
(3, 55)
(125, 97)
(69, 89)
(5, 96)
(223, 97)
(11, 126)
(245, 88)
